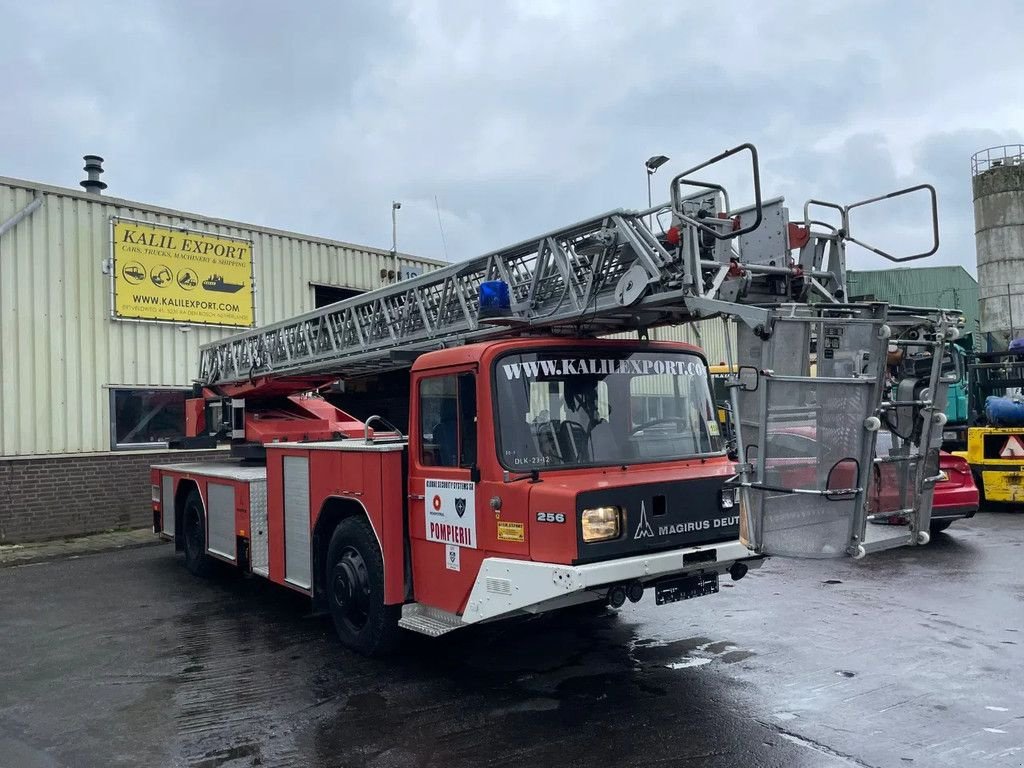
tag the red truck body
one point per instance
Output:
(469, 527)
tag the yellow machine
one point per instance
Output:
(719, 374)
(996, 455)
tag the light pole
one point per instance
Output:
(653, 163)
(394, 235)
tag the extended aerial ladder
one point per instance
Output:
(807, 362)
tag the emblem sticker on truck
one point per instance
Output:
(451, 512)
(451, 558)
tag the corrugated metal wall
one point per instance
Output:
(60, 351)
(946, 287)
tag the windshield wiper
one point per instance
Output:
(533, 477)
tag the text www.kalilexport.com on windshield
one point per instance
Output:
(163, 301)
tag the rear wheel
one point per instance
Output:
(938, 526)
(194, 522)
(355, 590)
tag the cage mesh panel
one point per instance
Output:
(814, 439)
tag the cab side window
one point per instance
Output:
(448, 421)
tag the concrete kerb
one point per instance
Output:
(24, 554)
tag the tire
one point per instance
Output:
(193, 519)
(938, 526)
(354, 582)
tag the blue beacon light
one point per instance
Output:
(494, 299)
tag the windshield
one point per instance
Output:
(559, 409)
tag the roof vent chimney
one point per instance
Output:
(94, 167)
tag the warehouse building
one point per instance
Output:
(104, 304)
(945, 287)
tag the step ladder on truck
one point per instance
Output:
(465, 446)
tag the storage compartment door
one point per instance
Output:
(220, 523)
(259, 551)
(296, 521)
(167, 504)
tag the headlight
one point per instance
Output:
(601, 524)
(943, 477)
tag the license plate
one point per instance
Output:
(685, 587)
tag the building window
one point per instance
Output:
(329, 294)
(142, 418)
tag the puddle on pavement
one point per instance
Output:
(688, 653)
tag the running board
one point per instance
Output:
(432, 622)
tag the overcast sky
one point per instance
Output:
(515, 117)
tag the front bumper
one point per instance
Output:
(504, 587)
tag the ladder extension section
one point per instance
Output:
(607, 274)
(563, 279)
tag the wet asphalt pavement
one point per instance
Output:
(910, 658)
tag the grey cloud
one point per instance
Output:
(518, 116)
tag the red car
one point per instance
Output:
(956, 496)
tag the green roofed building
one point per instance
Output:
(947, 287)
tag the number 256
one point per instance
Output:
(550, 517)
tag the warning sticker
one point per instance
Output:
(451, 558)
(1014, 448)
(511, 531)
(451, 512)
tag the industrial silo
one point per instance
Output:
(998, 181)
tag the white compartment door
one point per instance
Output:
(220, 523)
(167, 504)
(296, 521)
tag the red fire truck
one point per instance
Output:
(465, 446)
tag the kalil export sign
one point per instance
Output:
(181, 276)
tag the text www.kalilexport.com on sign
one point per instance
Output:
(164, 301)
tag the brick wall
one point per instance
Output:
(53, 497)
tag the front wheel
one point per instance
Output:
(355, 590)
(938, 526)
(194, 519)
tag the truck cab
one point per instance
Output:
(567, 452)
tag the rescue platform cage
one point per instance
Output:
(812, 403)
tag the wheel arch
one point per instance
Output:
(333, 510)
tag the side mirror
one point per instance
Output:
(747, 378)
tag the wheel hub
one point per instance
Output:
(350, 588)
